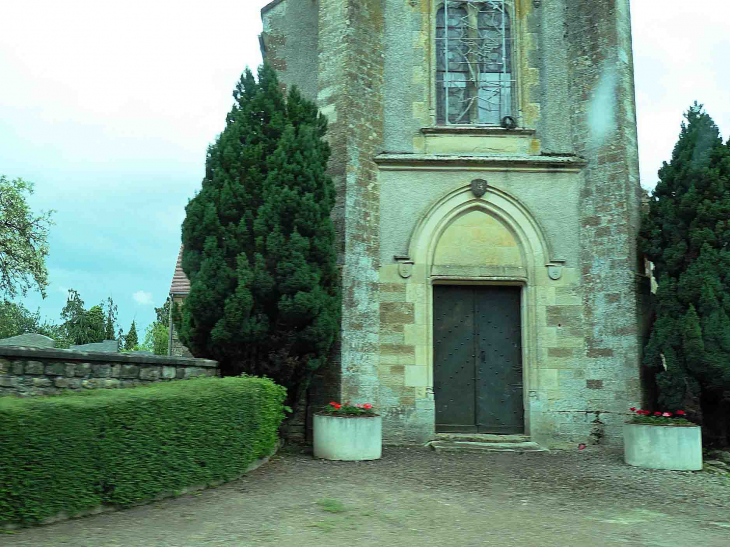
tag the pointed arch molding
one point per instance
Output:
(536, 248)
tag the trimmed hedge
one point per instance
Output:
(76, 451)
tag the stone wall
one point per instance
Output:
(26, 371)
(603, 122)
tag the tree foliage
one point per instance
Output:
(23, 241)
(111, 319)
(163, 314)
(259, 242)
(130, 340)
(82, 326)
(156, 338)
(686, 234)
(16, 319)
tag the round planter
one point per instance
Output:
(348, 438)
(663, 447)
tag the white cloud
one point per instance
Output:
(143, 298)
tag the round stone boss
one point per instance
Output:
(479, 187)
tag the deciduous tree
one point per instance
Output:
(23, 241)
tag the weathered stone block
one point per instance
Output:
(129, 371)
(149, 373)
(561, 352)
(18, 367)
(8, 381)
(168, 373)
(82, 370)
(116, 371)
(193, 372)
(61, 382)
(56, 369)
(111, 383)
(5, 366)
(102, 371)
(34, 367)
(564, 316)
(42, 382)
(70, 370)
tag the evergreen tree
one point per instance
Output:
(131, 341)
(259, 242)
(686, 234)
(111, 319)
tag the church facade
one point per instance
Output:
(485, 158)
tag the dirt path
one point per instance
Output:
(415, 497)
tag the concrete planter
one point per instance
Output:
(348, 438)
(663, 447)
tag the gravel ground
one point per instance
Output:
(415, 496)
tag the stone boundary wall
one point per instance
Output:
(26, 371)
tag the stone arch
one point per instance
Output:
(510, 216)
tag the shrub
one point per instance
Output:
(122, 447)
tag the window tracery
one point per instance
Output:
(474, 79)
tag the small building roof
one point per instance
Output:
(180, 282)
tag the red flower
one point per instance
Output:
(667, 414)
(657, 414)
(337, 406)
(680, 413)
(632, 409)
(333, 403)
(367, 406)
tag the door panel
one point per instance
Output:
(453, 357)
(500, 406)
(478, 359)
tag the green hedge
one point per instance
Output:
(121, 447)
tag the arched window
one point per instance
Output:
(474, 78)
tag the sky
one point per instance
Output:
(109, 109)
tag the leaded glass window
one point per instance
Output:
(474, 80)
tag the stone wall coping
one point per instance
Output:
(32, 354)
(488, 161)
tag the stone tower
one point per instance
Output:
(485, 157)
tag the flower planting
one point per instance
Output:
(647, 417)
(347, 409)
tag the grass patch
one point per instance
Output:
(324, 526)
(331, 506)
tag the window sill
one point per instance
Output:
(478, 130)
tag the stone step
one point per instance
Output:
(482, 438)
(458, 446)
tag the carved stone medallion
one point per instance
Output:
(479, 187)
(555, 272)
(405, 269)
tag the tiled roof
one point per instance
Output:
(180, 281)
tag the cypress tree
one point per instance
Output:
(686, 234)
(131, 340)
(259, 242)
